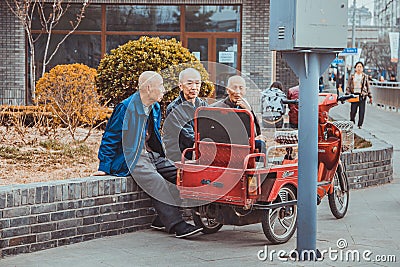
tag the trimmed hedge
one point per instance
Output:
(119, 71)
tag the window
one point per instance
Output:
(76, 48)
(212, 32)
(91, 21)
(143, 18)
(212, 18)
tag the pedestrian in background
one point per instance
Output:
(272, 108)
(293, 93)
(321, 85)
(392, 78)
(340, 83)
(359, 86)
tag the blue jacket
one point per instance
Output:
(124, 137)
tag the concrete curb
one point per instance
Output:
(368, 166)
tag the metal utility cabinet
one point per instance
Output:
(305, 24)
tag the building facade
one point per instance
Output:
(387, 15)
(230, 32)
(12, 58)
(362, 16)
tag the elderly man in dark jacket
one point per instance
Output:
(179, 125)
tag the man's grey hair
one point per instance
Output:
(187, 71)
(235, 77)
(147, 78)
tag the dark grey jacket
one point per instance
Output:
(178, 126)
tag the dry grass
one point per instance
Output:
(31, 157)
(361, 143)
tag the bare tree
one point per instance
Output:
(377, 54)
(26, 10)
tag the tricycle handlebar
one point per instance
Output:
(288, 101)
(345, 97)
(340, 98)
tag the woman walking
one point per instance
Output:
(359, 86)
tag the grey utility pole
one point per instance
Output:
(294, 26)
(398, 59)
(308, 66)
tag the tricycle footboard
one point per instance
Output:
(233, 215)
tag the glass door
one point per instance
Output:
(226, 54)
(215, 47)
(199, 47)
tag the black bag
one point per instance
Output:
(164, 166)
(272, 121)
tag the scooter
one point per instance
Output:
(332, 179)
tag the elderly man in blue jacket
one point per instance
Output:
(131, 144)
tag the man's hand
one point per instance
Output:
(99, 173)
(261, 137)
(243, 104)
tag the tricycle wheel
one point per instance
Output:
(279, 224)
(203, 219)
(339, 198)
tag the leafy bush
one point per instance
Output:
(69, 91)
(119, 71)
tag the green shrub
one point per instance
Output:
(119, 71)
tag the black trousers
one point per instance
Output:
(360, 105)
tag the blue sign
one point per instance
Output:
(349, 51)
(338, 61)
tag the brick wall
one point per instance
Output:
(256, 57)
(44, 215)
(371, 166)
(12, 58)
(284, 73)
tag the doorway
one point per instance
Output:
(222, 48)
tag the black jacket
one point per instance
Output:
(178, 126)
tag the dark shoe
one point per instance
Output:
(157, 224)
(359, 126)
(187, 230)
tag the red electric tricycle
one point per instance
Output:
(230, 182)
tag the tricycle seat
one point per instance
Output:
(224, 137)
